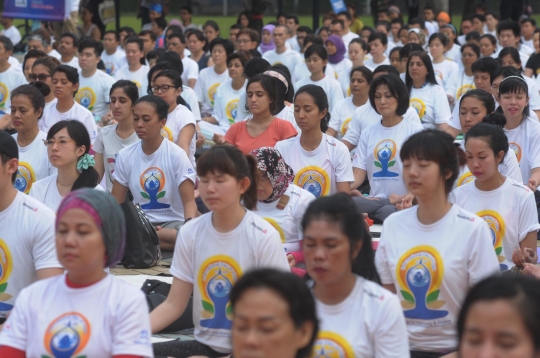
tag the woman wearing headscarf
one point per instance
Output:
(267, 39)
(281, 203)
(85, 312)
(336, 56)
(417, 36)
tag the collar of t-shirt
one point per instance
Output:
(314, 152)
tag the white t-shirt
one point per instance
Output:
(46, 191)
(431, 105)
(51, 116)
(93, 93)
(378, 328)
(287, 221)
(293, 43)
(342, 115)
(289, 58)
(105, 319)
(9, 80)
(371, 64)
(55, 54)
(34, 163)
(454, 54)
(226, 104)
(188, 94)
(154, 179)
(13, 34)
(109, 144)
(114, 62)
(207, 85)
(509, 210)
(320, 170)
(301, 71)
(348, 37)
(525, 141)
(26, 245)
(330, 85)
(378, 154)
(534, 95)
(176, 121)
(213, 261)
(433, 267)
(342, 68)
(73, 63)
(139, 77)
(191, 70)
(365, 116)
(458, 85)
(446, 71)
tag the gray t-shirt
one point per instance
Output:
(108, 143)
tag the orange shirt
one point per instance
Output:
(239, 136)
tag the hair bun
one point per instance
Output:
(495, 119)
(42, 87)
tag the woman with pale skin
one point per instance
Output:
(42, 69)
(416, 36)
(88, 28)
(358, 50)
(211, 30)
(196, 43)
(488, 45)
(445, 69)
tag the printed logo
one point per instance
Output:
(349, 92)
(212, 91)
(6, 265)
(385, 151)
(419, 106)
(4, 95)
(231, 110)
(345, 126)
(139, 86)
(332, 345)
(497, 227)
(464, 89)
(167, 133)
(25, 177)
(313, 179)
(420, 273)
(86, 97)
(465, 179)
(277, 227)
(109, 68)
(439, 74)
(152, 182)
(67, 336)
(517, 149)
(217, 276)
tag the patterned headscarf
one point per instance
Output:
(271, 45)
(107, 216)
(271, 163)
(340, 49)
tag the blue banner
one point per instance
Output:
(45, 10)
(338, 6)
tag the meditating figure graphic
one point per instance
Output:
(152, 185)
(218, 289)
(65, 342)
(384, 155)
(419, 281)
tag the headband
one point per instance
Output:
(450, 26)
(279, 76)
(516, 77)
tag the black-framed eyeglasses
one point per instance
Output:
(41, 77)
(162, 88)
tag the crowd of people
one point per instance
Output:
(262, 158)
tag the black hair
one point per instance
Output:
(180, 36)
(289, 91)
(513, 52)
(491, 39)
(410, 48)
(366, 72)
(468, 17)
(362, 43)
(88, 178)
(256, 66)
(314, 39)
(173, 59)
(198, 34)
(127, 29)
(341, 210)
(71, 73)
(187, 8)
(346, 14)
(227, 44)
(391, 70)
(515, 85)
(135, 40)
(379, 36)
(161, 22)
(226, 159)
(4, 159)
(522, 292)
(236, 26)
(480, 17)
(486, 65)
(485, 97)
(474, 47)
(149, 33)
(338, 22)
(319, 50)
(397, 90)
(293, 17)
(75, 39)
(33, 54)
(505, 72)
(130, 89)
(97, 46)
(529, 20)
(35, 92)
(321, 101)
(386, 24)
(155, 53)
(436, 146)
(430, 77)
(177, 82)
(160, 106)
(495, 15)
(212, 24)
(509, 25)
(417, 21)
(176, 28)
(395, 49)
(292, 289)
(305, 29)
(472, 36)
(158, 67)
(242, 56)
(269, 86)
(491, 131)
(439, 35)
(8, 45)
(397, 20)
(116, 35)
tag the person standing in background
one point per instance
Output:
(186, 13)
(357, 24)
(292, 26)
(144, 9)
(71, 19)
(68, 50)
(10, 30)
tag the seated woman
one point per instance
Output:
(340, 262)
(508, 207)
(42, 70)
(157, 172)
(377, 153)
(262, 296)
(85, 312)
(445, 69)
(262, 129)
(27, 103)
(267, 39)
(336, 56)
(68, 145)
(321, 163)
(281, 203)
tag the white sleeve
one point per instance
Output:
(44, 245)
(360, 156)
(90, 124)
(353, 132)
(482, 260)
(182, 263)
(199, 86)
(98, 146)
(192, 70)
(121, 175)
(242, 113)
(335, 117)
(191, 99)
(219, 112)
(451, 85)
(107, 84)
(300, 210)
(534, 100)
(534, 149)
(441, 107)
(342, 164)
(335, 95)
(131, 327)
(381, 259)
(390, 335)
(510, 167)
(270, 252)
(15, 331)
(454, 119)
(528, 217)
(184, 171)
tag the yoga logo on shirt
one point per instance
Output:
(330, 345)
(439, 74)
(217, 276)
(517, 149)
(139, 86)
(67, 336)
(420, 272)
(231, 109)
(152, 182)
(86, 97)
(465, 179)
(384, 154)
(345, 126)
(277, 227)
(464, 89)
(497, 227)
(25, 177)
(109, 68)
(419, 106)
(6, 266)
(167, 133)
(212, 91)
(4, 95)
(313, 179)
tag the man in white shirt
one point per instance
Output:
(467, 25)
(113, 57)
(177, 42)
(292, 25)
(68, 48)
(27, 243)
(281, 54)
(186, 14)
(10, 78)
(95, 85)
(395, 26)
(41, 40)
(346, 35)
(9, 30)
(528, 26)
(509, 35)
(149, 40)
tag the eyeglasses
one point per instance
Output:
(163, 88)
(61, 142)
(41, 77)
